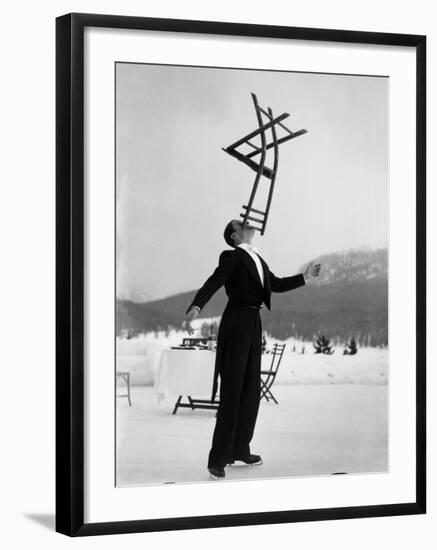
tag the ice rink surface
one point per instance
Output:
(316, 429)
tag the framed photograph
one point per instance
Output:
(241, 274)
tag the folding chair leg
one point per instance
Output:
(177, 404)
(191, 402)
(272, 396)
(128, 390)
(263, 393)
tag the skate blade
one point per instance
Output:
(241, 464)
(215, 478)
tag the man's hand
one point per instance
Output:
(311, 270)
(191, 315)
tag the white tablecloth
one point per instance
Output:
(185, 372)
(141, 366)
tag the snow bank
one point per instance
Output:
(141, 355)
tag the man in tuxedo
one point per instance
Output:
(248, 283)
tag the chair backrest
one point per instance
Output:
(277, 353)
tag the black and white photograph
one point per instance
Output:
(218, 275)
(251, 274)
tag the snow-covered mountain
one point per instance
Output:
(347, 266)
(350, 298)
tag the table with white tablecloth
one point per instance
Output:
(187, 373)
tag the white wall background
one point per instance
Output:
(28, 262)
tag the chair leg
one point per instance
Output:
(177, 405)
(272, 396)
(264, 390)
(128, 390)
(191, 402)
(264, 394)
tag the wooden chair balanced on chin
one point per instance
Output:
(252, 216)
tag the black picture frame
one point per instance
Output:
(70, 273)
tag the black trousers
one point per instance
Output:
(239, 357)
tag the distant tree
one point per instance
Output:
(322, 345)
(351, 348)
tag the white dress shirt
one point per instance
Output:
(253, 253)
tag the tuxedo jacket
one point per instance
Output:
(238, 273)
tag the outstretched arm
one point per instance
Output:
(283, 284)
(210, 287)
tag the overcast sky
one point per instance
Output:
(176, 188)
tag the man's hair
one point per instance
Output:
(229, 229)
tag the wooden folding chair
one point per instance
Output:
(126, 377)
(268, 376)
(259, 221)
